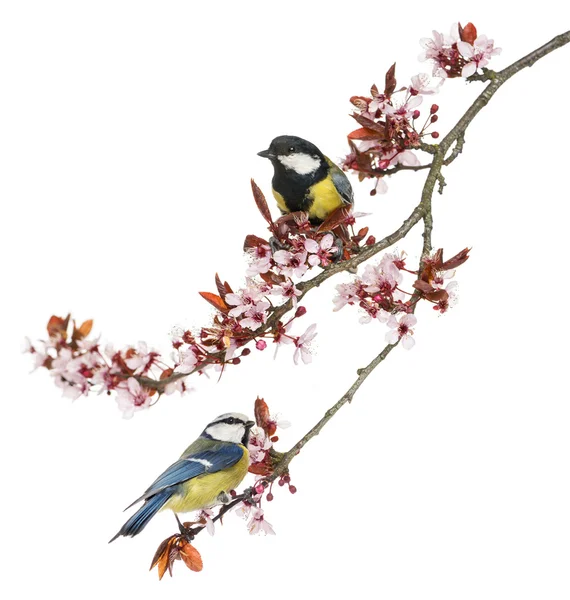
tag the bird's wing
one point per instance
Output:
(341, 183)
(207, 461)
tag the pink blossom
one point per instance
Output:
(477, 54)
(188, 362)
(291, 264)
(261, 262)
(401, 330)
(404, 111)
(259, 444)
(287, 290)
(178, 386)
(244, 299)
(132, 398)
(347, 294)
(258, 524)
(261, 344)
(303, 345)
(142, 360)
(255, 316)
(321, 253)
(206, 515)
(421, 84)
(374, 312)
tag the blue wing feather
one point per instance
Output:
(341, 182)
(193, 465)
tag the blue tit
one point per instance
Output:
(208, 469)
(304, 179)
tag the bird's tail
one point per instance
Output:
(143, 515)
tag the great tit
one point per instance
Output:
(305, 179)
(207, 470)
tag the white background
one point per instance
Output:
(129, 132)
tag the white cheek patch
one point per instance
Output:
(224, 432)
(301, 163)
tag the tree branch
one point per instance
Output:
(422, 211)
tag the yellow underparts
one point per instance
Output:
(203, 491)
(325, 199)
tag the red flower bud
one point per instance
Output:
(435, 135)
(434, 118)
(371, 240)
(261, 344)
(269, 497)
(373, 192)
(301, 310)
(292, 489)
(434, 108)
(245, 352)
(415, 114)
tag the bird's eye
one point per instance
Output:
(291, 148)
(230, 421)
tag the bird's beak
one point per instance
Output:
(267, 154)
(249, 424)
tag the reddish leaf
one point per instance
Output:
(58, 326)
(361, 102)
(336, 218)
(390, 80)
(263, 418)
(437, 295)
(260, 468)
(273, 278)
(262, 204)
(468, 33)
(190, 556)
(363, 134)
(166, 373)
(379, 128)
(457, 260)
(223, 288)
(215, 301)
(252, 241)
(423, 286)
(86, 327)
(161, 557)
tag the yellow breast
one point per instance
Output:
(280, 202)
(203, 491)
(325, 199)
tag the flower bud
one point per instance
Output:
(434, 118)
(371, 240)
(292, 489)
(245, 352)
(269, 497)
(373, 192)
(415, 114)
(435, 135)
(434, 108)
(301, 310)
(235, 361)
(261, 344)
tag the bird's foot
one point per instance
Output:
(224, 498)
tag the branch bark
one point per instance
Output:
(423, 211)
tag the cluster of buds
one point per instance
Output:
(460, 53)
(389, 128)
(247, 505)
(379, 294)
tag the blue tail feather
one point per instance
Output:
(143, 515)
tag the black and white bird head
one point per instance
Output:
(295, 154)
(229, 427)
